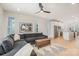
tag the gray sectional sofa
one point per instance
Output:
(32, 37)
(9, 47)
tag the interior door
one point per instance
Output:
(55, 31)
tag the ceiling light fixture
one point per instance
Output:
(73, 16)
(18, 9)
(73, 3)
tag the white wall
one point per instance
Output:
(50, 29)
(42, 23)
(2, 23)
(1, 17)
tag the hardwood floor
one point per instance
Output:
(72, 48)
(65, 43)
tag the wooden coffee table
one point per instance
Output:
(42, 42)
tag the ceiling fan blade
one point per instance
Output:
(41, 9)
(40, 5)
(38, 12)
(46, 11)
(56, 20)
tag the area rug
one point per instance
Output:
(49, 50)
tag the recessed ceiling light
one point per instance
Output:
(73, 3)
(18, 9)
(73, 16)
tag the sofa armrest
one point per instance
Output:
(18, 45)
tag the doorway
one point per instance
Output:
(55, 31)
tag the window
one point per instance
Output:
(10, 25)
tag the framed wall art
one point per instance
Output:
(25, 27)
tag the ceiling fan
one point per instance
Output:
(42, 9)
(54, 20)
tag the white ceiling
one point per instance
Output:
(58, 10)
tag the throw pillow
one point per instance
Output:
(7, 46)
(16, 37)
(9, 39)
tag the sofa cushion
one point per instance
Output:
(1, 50)
(32, 35)
(22, 36)
(10, 39)
(7, 46)
(11, 36)
(31, 39)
